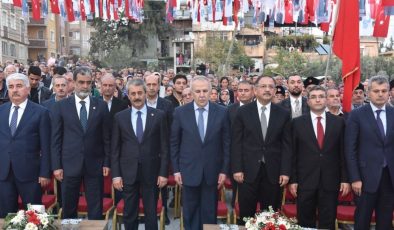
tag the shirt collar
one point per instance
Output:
(292, 99)
(78, 100)
(374, 108)
(21, 105)
(259, 105)
(143, 109)
(206, 107)
(314, 116)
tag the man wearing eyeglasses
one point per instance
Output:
(261, 154)
(318, 167)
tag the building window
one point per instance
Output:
(77, 36)
(21, 52)
(40, 34)
(4, 18)
(4, 46)
(70, 34)
(13, 50)
(13, 21)
(52, 36)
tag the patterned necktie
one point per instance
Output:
(263, 121)
(14, 120)
(139, 129)
(83, 115)
(380, 123)
(297, 109)
(201, 123)
(320, 133)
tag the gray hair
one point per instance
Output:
(59, 77)
(83, 71)
(201, 78)
(18, 76)
(379, 79)
(136, 82)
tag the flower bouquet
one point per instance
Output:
(270, 220)
(29, 220)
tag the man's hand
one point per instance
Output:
(293, 189)
(345, 189)
(239, 177)
(118, 183)
(44, 181)
(178, 178)
(357, 186)
(283, 180)
(58, 173)
(106, 171)
(161, 181)
(221, 180)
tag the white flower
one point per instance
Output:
(21, 213)
(44, 221)
(31, 226)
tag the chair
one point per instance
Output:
(49, 196)
(171, 183)
(345, 210)
(108, 199)
(118, 213)
(236, 214)
(289, 206)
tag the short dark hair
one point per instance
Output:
(34, 70)
(83, 71)
(179, 76)
(262, 76)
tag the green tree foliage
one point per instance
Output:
(110, 36)
(215, 53)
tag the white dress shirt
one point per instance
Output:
(322, 121)
(293, 104)
(21, 110)
(79, 106)
(151, 103)
(266, 112)
(109, 103)
(134, 117)
(204, 114)
(382, 115)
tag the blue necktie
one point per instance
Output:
(201, 123)
(380, 123)
(140, 129)
(83, 115)
(14, 120)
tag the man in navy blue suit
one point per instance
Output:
(369, 143)
(81, 146)
(200, 149)
(59, 90)
(25, 147)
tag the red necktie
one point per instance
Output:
(320, 133)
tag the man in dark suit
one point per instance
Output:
(59, 90)
(245, 96)
(25, 147)
(139, 157)
(108, 88)
(261, 155)
(318, 169)
(200, 146)
(180, 83)
(81, 146)
(295, 104)
(38, 92)
(369, 143)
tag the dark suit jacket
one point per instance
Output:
(49, 103)
(166, 106)
(194, 159)
(365, 148)
(73, 150)
(287, 105)
(312, 166)
(28, 151)
(173, 100)
(232, 111)
(248, 145)
(43, 94)
(127, 152)
(117, 106)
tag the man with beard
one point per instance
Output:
(81, 146)
(180, 82)
(334, 102)
(358, 98)
(296, 104)
(38, 92)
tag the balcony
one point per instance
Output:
(254, 50)
(41, 22)
(37, 43)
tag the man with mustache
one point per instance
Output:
(25, 147)
(59, 89)
(81, 146)
(260, 153)
(296, 104)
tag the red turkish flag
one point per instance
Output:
(236, 6)
(70, 11)
(382, 21)
(388, 2)
(346, 45)
(288, 11)
(35, 5)
(92, 6)
(55, 6)
(18, 3)
(82, 8)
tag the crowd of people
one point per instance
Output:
(264, 133)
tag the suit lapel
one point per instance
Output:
(329, 128)
(74, 113)
(255, 119)
(93, 107)
(5, 119)
(127, 122)
(193, 123)
(371, 117)
(27, 114)
(150, 116)
(211, 120)
(311, 133)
